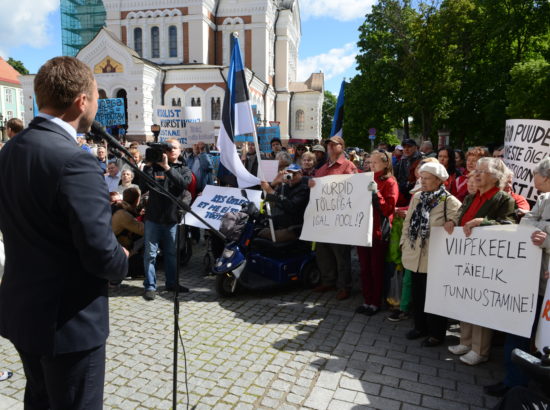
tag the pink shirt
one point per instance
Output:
(339, 167)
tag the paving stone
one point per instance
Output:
(421, 388)
(401, 395)
(319, 398)
(400, 373)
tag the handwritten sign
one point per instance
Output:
(490, 279)
(173, 121)
(339, 210)
(526, 142)
(110, 111)
(200, 132)
(216, 201)
(543, 331)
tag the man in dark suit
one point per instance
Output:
(60, 249)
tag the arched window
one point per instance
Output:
(176, 102)
(216, 108)
(155, 43)
(138, 41)
(173, 41)
(300, 117)
(196, 102)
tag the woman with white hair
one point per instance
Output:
(490, 205)
(538, 218)
(432, 206)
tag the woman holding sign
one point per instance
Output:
(371, 259)
(539, 218)
(490, 205)
(432, 206)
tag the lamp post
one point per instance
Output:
(155, 129)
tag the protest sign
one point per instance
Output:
(173, 121)
(110, 111)
(270, 169)
(339, 210)
(543, 331)
(200, 132)
(216, 201)
(526, 142)
(490, 278)
(265, 135)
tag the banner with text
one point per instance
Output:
(216, 201)
(110, 111)
(490, 279)
(543, 331)
(173, 120)
(526, 142)
(339, 210)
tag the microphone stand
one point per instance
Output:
(119, 151)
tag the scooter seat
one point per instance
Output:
(267, 246)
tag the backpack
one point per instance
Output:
(233, 224)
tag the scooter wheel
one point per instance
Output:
(225, 284)
(311, 275)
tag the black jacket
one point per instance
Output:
(288, 205)
(160, 208)
(60, 249)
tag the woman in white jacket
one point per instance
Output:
(430, 207)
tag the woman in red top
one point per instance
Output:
(446, 157)
(472, 156)
(490, 205)
(385, 193)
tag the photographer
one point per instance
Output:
(163, 165)
(288, 204)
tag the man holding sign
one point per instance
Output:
(334, 260)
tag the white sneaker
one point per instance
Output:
(472, 358)
(459, 349)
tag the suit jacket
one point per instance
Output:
(60, 249)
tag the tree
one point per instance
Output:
(529, 89)
(18, 65)
(329, 107)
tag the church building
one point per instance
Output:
(176, 53)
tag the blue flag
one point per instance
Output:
(338, 120)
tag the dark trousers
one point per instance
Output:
(66, 381)
(433, 325)
(521, 398)
(371, 260)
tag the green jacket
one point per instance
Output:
(495, 211)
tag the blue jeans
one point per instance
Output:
(165, 236)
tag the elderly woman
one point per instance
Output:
(371, 259)
(472, 156)
(490, 205)
(126, 179)
(430, 207)
(538, 218)
(308, 164)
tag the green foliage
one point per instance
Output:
(329, 107)
(18, 65)
(454, 66)
(529, 90)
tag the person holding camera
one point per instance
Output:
(164, 166)
(288, 204)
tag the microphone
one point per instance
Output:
(99, 130)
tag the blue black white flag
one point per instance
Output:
(337, 121)
(237, 119)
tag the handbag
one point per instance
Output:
(385, 225)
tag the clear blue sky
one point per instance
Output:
(329, 35)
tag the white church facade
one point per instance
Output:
(176, 52)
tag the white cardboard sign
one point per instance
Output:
(216, 201)
(526, 142)
(543, 331)
(489, 279)
(339, 210)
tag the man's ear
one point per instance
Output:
(81, 102)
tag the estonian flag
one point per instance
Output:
(237, 119)
(339, 114)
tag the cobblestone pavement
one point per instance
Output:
(284, 349)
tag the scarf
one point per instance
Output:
(420, 219)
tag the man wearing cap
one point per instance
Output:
(320, 155)
(288, 204)
(396, 155)
(427, 149)
(406, 179)
(334, 260)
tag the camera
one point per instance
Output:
(287, 177)
(156, 149)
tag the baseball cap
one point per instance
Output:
(318, 148)
(409, 141)
(293, 168)
(337, 140)
(399, 147)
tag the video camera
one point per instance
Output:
(156, 149)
